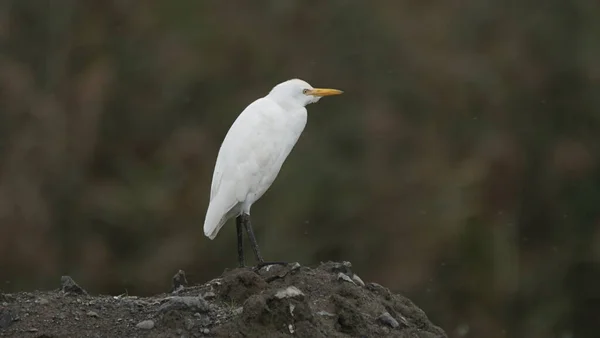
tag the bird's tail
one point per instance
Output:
(216, 216)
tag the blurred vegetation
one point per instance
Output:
(460, 167)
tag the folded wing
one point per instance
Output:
(247, 163)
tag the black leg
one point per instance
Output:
(239, 223)
(254, 244)
(248, 225)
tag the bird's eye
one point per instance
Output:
(304, 91)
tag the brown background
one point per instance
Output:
(460, 168)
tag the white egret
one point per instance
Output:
(252, 154)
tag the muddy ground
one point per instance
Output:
(276, 301)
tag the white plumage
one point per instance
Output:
(255, 148)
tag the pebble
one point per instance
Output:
(325, 314)
(204, 320)
(378, 289)
(145, 325)
(388, 320)
(189, 324)
(358, 280)
(238, 311)
(68, 285)
(344, 277)
(179, 281)
(93, 314)
(343, 267)
(289, 292)
(43, 301)
(6, 318)
(206, 331)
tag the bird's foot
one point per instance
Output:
(261, 265)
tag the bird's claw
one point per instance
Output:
(261, 265)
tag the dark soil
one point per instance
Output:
(276, 301)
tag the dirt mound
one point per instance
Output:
(276, 301)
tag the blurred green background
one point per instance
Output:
(460, 167)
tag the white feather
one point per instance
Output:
(250, 158)
(255, 148)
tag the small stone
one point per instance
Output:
(388, 320)
(238, 311)
(189, 324)
(203, 321)
(344, 277)
(325, 314)
(295, 266)
(209, 295)
(289, 292)
(6, 318)
(145, 325)
(357, 280)
(68, 285)
(179, 281)
(379, 290)
(206, 331)
(268, 267)
(43, 301)
(93, 314)
(403, 320)
(33, 329)
(343, 267)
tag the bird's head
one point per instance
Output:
(298, 92)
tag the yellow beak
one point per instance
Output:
(323, 92)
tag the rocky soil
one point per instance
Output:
(276, 301)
